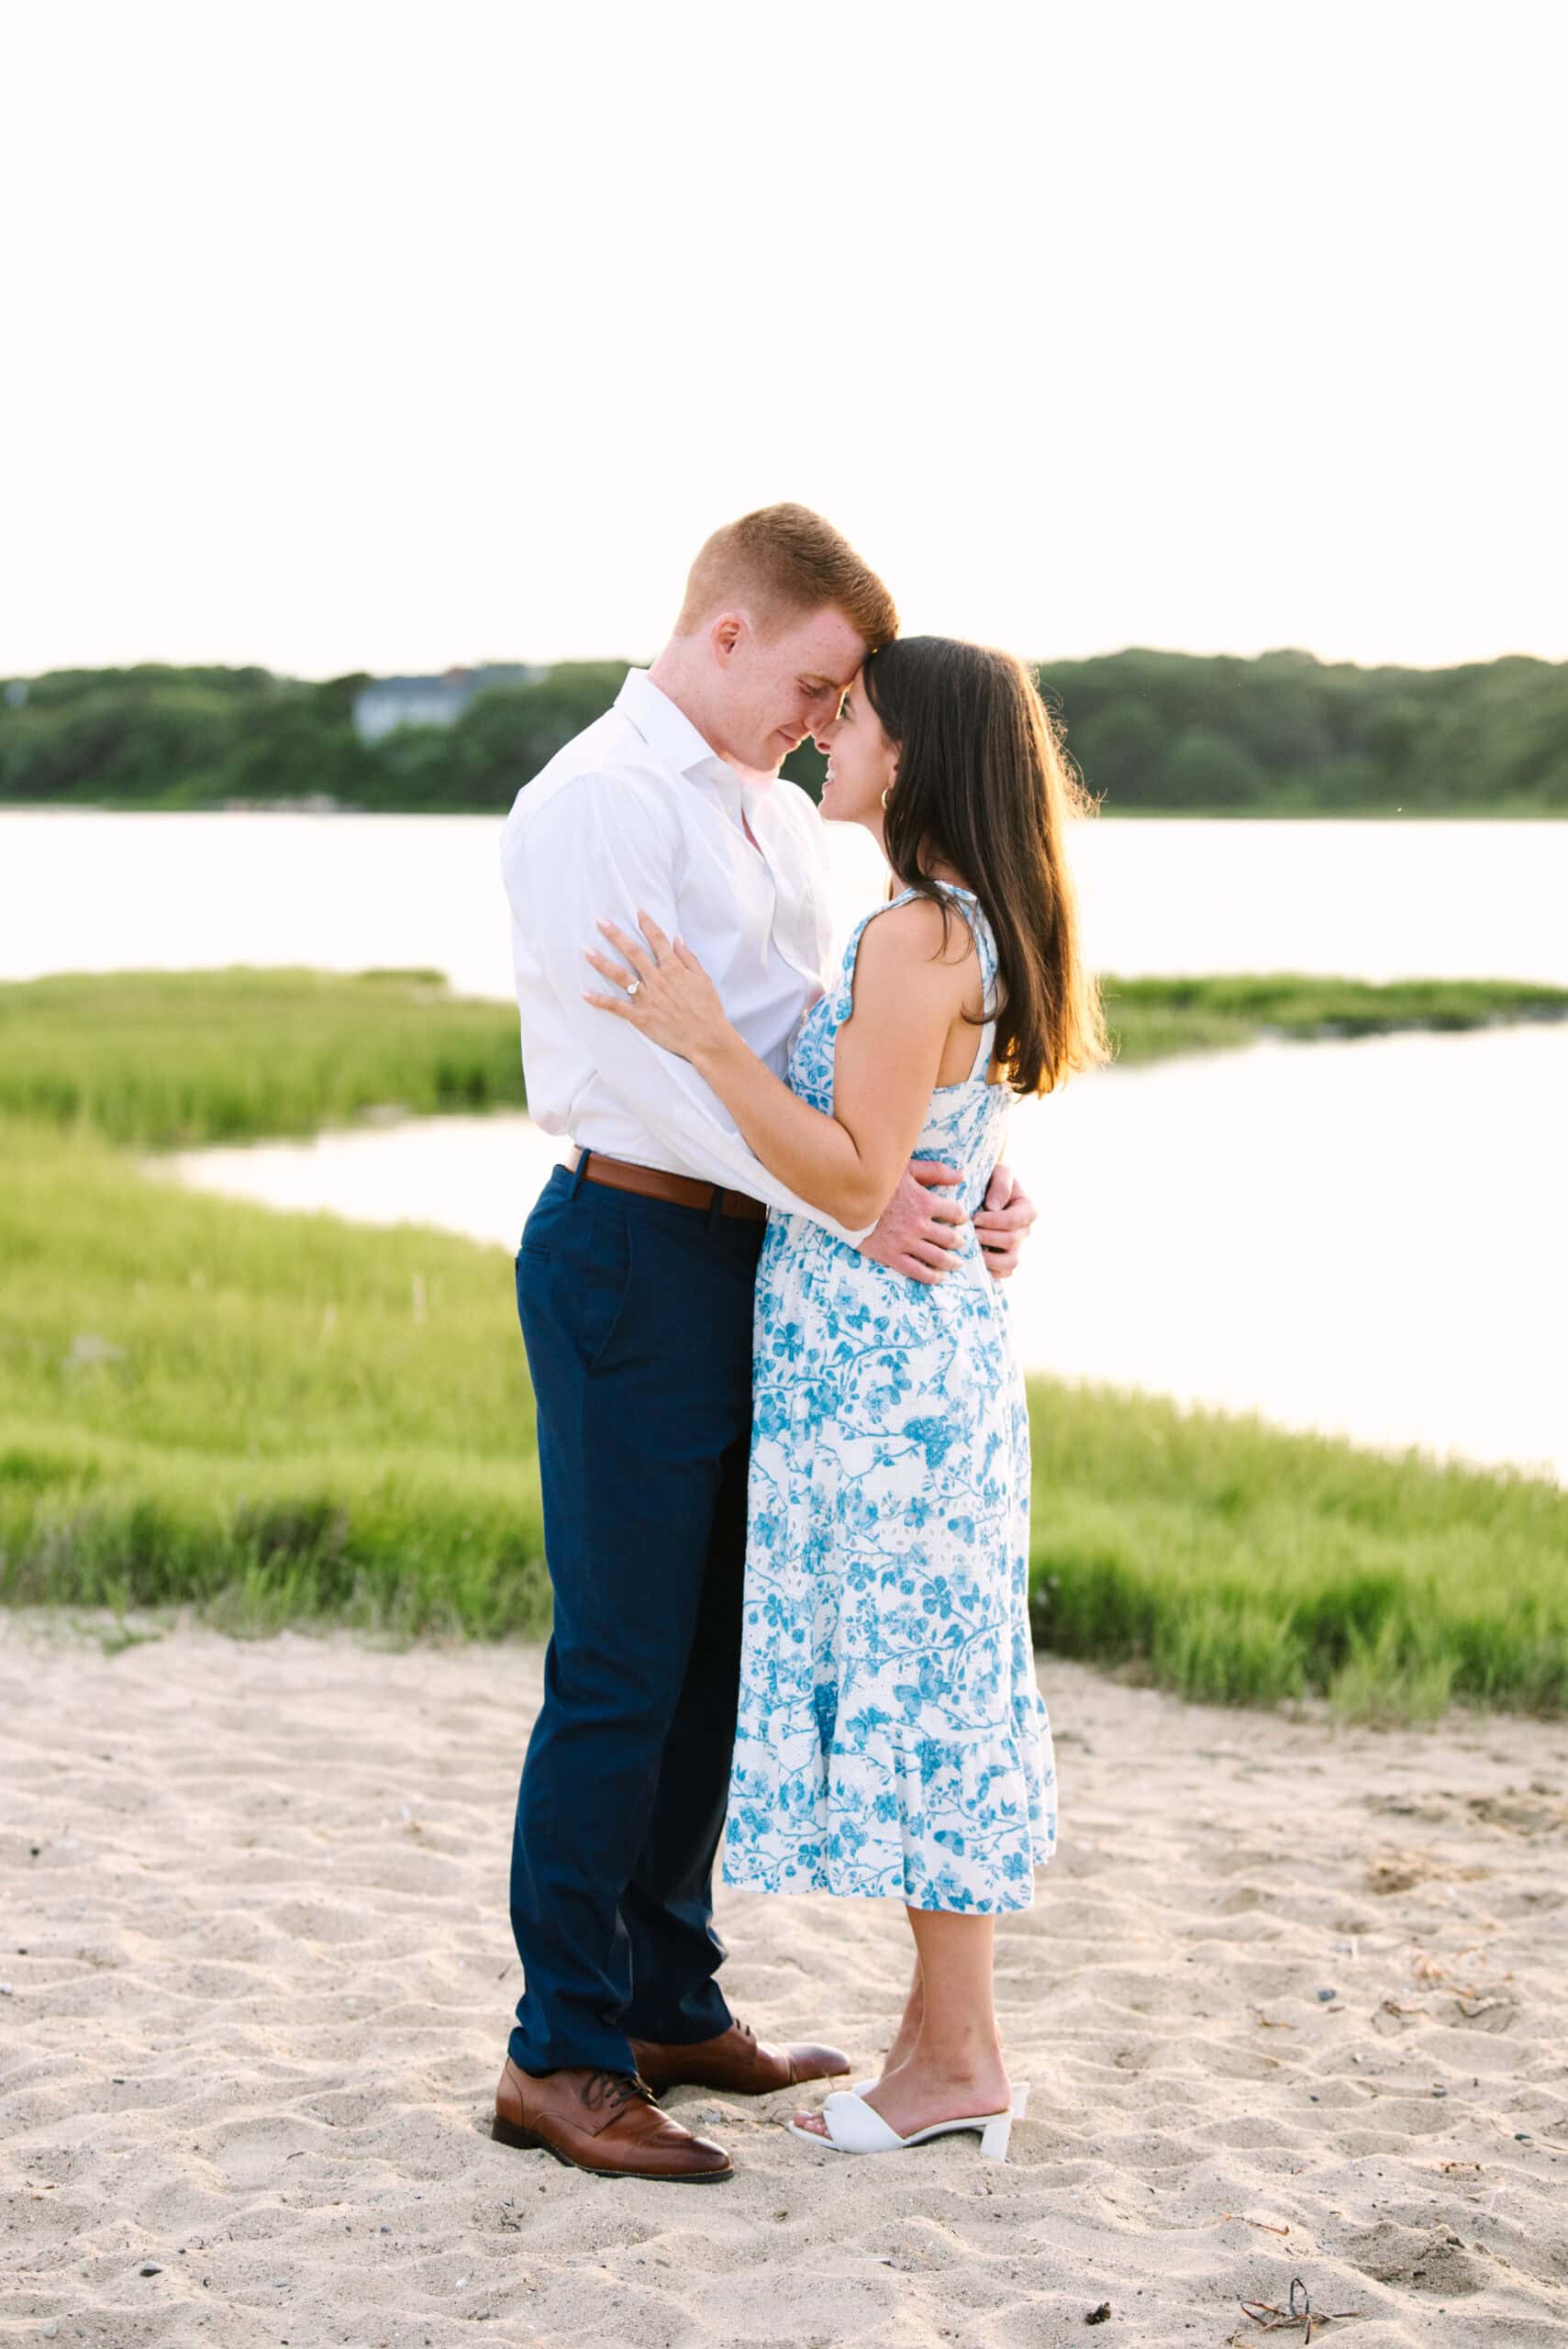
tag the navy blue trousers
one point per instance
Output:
(636, 1317)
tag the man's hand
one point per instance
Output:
(1002, 1224)
(919, 1228)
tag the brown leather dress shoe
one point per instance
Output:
(604, 2122)
(735, 2060)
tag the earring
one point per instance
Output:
(884, 795)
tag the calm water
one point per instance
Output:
(1377, 900)
(1367, 1238)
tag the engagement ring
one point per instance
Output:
(634, 986)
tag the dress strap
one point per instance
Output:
(901, 899)
(969, 906)
(853, 948)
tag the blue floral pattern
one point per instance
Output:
(891, 1738)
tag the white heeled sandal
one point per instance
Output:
(1020, 2094)
(855, 2127)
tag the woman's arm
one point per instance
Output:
(602, 841)
(887, 1055)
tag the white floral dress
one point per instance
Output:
(891, 1739)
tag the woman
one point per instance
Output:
(891, 1738)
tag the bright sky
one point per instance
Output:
(374, 334)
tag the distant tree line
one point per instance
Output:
(1151, 733)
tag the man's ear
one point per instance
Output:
(725, 636)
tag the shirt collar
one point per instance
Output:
(667, 729)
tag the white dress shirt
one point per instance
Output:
(638, 811)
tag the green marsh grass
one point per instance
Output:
(1151, 1018)
(172, 1060)
(272, 1417)
(1236, 1563)
(278, 1418)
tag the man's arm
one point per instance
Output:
(921, 1227)
(1002, 1224)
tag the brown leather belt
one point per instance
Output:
(653, 1183)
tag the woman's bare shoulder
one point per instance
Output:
(919, 931)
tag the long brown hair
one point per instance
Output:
(984, 787)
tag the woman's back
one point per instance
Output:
(966, 1122)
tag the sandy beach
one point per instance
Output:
(1291, 2000)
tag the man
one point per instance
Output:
(633, 1292)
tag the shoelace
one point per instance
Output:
(614, 2088)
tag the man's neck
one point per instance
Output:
(676, 680)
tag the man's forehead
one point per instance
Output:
(828, 647)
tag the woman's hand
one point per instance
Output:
(671, 1001)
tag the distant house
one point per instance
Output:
(392, 702)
